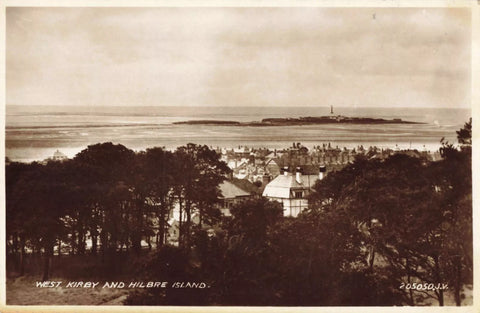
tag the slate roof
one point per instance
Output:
(245, 185)
(281, 186)
(229, 190)
(307, 169)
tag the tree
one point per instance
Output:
(154, 186)
(414, 213)
(453, 183)
(312, 254)
(40, 196)
(18, 211)
(464, 135)
(198, 172)
(246, 264)
(106, 171)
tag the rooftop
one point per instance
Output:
(280, 187)
(230, 190)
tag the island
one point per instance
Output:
(309, 120)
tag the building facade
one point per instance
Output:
(291, 189)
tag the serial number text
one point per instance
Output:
(424, 286)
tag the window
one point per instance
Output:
(298, 194)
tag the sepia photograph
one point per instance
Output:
(238, 156)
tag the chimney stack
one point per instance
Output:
(298, 176)
(323, 170)
(265, 179)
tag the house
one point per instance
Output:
(241, 171)
(59, 156)
(232, 194)
(232, 191)
(292, 189)
(272, 166)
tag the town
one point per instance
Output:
(283, 175)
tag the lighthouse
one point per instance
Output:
(331, 109)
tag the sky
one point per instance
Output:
(397, 57)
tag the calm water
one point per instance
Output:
(35, 132)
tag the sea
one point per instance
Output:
(34, 133)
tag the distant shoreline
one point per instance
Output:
(339, 119)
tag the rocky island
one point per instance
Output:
(289, 121)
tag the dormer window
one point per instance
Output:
(298, 194)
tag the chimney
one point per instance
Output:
(265, 179)
(285, 170)
(323, 170)
(298, 176)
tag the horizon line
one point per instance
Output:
(228, 106)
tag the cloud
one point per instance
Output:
(238, 56)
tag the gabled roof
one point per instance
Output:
(275, 160)
(245, 185)
(281, 186)
(229, 190)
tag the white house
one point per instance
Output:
(292, 189)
